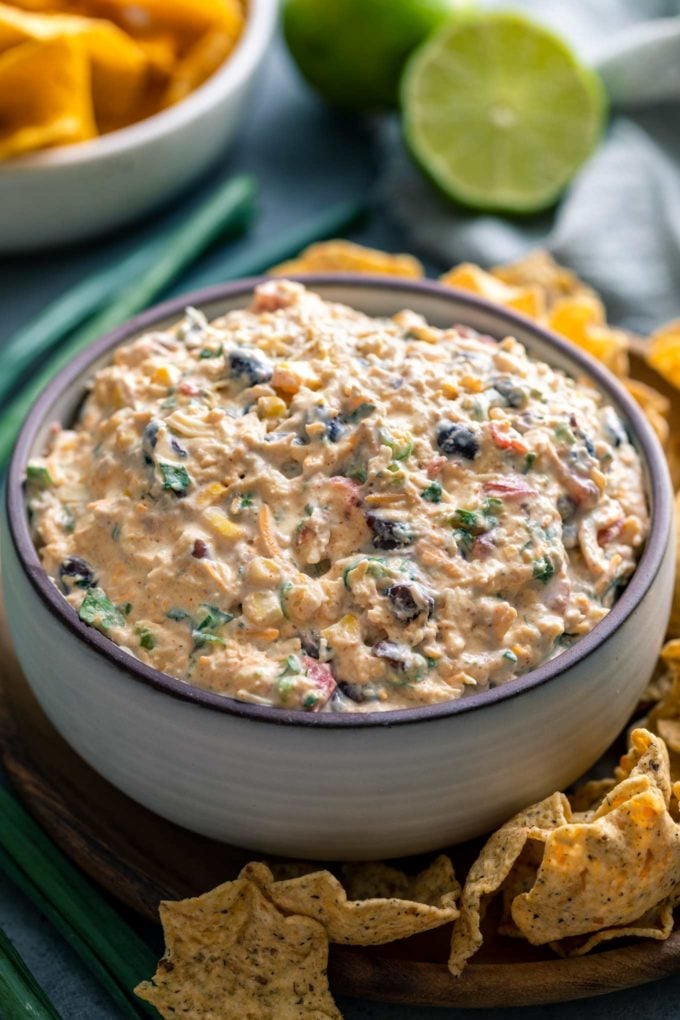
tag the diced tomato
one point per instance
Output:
(608, 534)
(509, 487)
(188, 389)
(324, 680)
(434, 467)
(507, 439)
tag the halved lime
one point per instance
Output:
(499, 112)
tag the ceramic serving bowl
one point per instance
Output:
(323, 785)
(73, 192)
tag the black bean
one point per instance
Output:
(513, 395)
(409, 600)
(79, 573)
(311, 644)
(334, 429)
(200, 549)
(454, 439)
(358, 693)
(389, 534)
(614, 428)
(178, 448)
(149, 440)
(252, 367)
(396, 655)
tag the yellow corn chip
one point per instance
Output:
(202, 60)
(588, 795)
(657, 923)
(185, 20)
(581, 320)
(231, 954)
(118, 65)
(345, 256)
(664, 351)
(493, 866)
(608, 868)
(540, 269)
(377, 880)
(44, 96)
(367, 922)
(654, 404)
(529, 300)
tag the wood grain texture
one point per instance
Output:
(140, 858)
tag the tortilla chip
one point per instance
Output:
(674, 622)
(231, 954)
(491, 869)
(657, 923)
(436, 885)
(529, 300)
(655, 406)
(346, 256)
(44, 96)
(369, 922)
(581, 319)
(185, 20)
(663, 352)
(202, 60)
(610, 867)
(118, 65)
(540, 269)
(589, 795)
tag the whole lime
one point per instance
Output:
(353, 51)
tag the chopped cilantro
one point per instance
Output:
(543, 569)
(309, 510)
(357, 472)
(491, 504)
(465, 542)
(431, 661)
(175, 477)
(467, 520)
(310, 701)
(97, 610)
(146, 638)
(433, 493)
(246, 500)
(203, 633)
(38, 476)
(529, 462)
(358, 414)
(400, 451)
(126, 608)
(208, 353)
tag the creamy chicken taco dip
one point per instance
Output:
(301, 506)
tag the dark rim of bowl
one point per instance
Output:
(641, 580)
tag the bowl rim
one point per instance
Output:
(239, 64)
(647, 569)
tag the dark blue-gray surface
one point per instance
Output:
(305, 159)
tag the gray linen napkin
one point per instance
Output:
(619, 223)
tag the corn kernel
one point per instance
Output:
(166, 375)
(472, 383)
(262, 608)
(221, 523)
(345, 632)
(263, 571)
(271, 407)
(291, 376)
(450, 390)
(209, 494)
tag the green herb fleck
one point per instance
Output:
(310, 701)
(126, 608)
(203, 633)
(175, 478)
(97, 610)
(431, 661)
(529, 462)
(309, 510)
(146, 639)
(400, 451)
(38, 476)
(246, 500)
(564, 433)
(467, 520)
(543, 569)
(358, 414)
(291, 666)
(208, 353)
(357, 472)
(509, 655)
(433, 493)
(284, 591)
(115, 532)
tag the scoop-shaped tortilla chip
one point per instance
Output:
(663, 352)
(611, 866)
(231, 954)
(186, 20)
(540, 269)
(657, 923)
(346, 256)
(44, 96)
(437, 884)
(369, 922)
(493, 866)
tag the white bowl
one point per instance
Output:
(324, 785)
(74, 192)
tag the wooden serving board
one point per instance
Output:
(141, 859)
